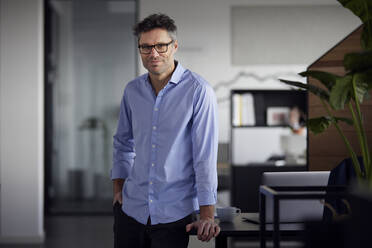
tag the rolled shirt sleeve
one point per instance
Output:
(205, 144)
(123, 146)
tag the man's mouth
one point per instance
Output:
(155, 62)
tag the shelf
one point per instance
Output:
(250, 107)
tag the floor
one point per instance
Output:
(84, 232)
(71, 229)
(96, 232)
(75, 231)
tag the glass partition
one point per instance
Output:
(90, 56)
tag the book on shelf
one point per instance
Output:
(243, 110)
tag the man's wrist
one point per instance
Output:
(207, 212)
(118, 185)
(207, 218)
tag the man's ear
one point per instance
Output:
(175, 45)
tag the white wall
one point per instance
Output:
(205, 44)
(21, 121)
(260, 32)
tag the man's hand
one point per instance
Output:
(117, 198)
(207, 229)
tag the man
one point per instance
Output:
(165, 148)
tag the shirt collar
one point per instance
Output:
(177, 74)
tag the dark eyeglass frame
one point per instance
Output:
(158, 49)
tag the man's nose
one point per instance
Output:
(154, 52)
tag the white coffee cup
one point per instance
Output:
(227, 214)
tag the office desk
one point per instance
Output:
(278, 193)
(240, 228)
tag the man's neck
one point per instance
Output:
(158, 81)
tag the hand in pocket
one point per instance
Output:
(117, 198)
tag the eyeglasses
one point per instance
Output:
(160, 47)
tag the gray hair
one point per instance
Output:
(156, 21)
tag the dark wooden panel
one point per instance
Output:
(328, 63)
(338, 70)
(324, 163)
(330, 143)
(326, 150)
(338, 53)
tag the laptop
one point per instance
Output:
(295, 211)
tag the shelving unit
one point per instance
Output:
(246, 176)
(263, 100)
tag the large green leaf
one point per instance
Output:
(326, 78)
(366, 39)
(367, 96)
(341, 92)
(361, 91)
(319, 124)
(360, 61)
(364, 78)
(313, 89)
(361, 8)
(364, 84)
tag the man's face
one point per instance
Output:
(155, 62)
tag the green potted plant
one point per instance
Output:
(347, 91)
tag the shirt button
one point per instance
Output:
(150, 200)
(154, 127)
(153, 146)
(156, 109)
(152, 164)
(150, 183)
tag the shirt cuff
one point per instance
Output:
(119, 171)
(207, 198)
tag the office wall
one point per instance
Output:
(21, 121)
(205, 28)
(258, 33)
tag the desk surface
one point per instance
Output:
(239, 227)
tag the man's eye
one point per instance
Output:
(160, 46)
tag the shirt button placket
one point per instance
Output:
(155, 117)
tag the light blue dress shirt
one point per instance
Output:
(165, 147)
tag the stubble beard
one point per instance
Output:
(158, 70)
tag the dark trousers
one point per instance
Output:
(128, 233)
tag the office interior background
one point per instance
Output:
(64, 65)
